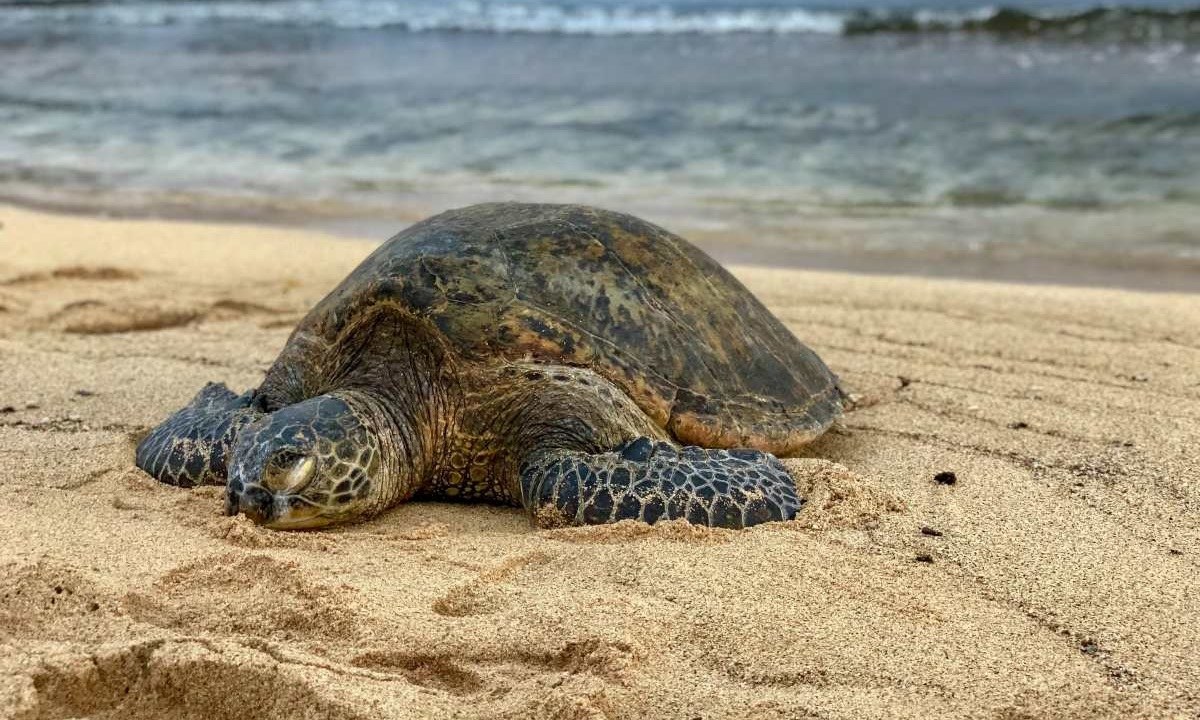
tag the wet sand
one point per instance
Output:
(1056, 577)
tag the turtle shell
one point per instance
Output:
(580, 286)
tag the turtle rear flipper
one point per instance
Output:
(191, 447)
(649, 481)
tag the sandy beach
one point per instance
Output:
(1057, 577)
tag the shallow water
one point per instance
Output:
(956, 135)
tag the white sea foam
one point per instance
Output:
(600, 17)
(502, 17)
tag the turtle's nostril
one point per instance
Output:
(233, 491)
(254, 502)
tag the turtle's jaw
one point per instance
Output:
(276, 511)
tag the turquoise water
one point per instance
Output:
(943, 130)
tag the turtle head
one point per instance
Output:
(304, 466)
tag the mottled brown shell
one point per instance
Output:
(586, 287)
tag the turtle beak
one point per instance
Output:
(278, 512)
(253, 502)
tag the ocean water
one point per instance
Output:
(1046, 139)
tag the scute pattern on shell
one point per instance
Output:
(580, 286)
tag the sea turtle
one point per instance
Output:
(582, 363)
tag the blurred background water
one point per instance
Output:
(1043, 140)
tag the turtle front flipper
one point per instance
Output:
(191, 447)
(651, 480)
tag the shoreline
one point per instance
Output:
(730, 247)
(1054, 579)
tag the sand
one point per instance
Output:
(1059, 576)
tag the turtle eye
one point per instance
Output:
(290, 472)
(285, 460)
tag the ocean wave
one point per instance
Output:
(1098, 23)
(1104, 23)
(498, 17)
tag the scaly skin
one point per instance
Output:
(190, 447)
(651, 481)
(562, 442)
(276, 458)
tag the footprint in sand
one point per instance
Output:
(483, 595)
(74, 272)
(154, 679)
(97, 317)
(37, 594)
(435, 672)
(259, 596)
(452, 671)
(12, 301)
